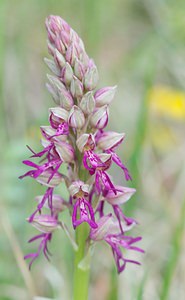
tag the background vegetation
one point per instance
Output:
(138, 45)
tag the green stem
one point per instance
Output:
(81, 276)
(81, 273)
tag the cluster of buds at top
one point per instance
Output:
(75, 136)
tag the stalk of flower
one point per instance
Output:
(76, 137)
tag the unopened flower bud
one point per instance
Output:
(85, 142)
(56, 84)
(76, 117)
(59, 58)
(109, 140)
(59, 92)
(71, 54)
(79, 189)
(49, 179)
(105, 95)
(123, 194)
(67, 73)
(65, 151)
(66, 100)
(78, 43)
(54, 24)
(51, 36)
(45, 223)
(87, 104)
(59, 44)
(84, 59)
(51, 48)
(65, 37)
(79, 69)
(91, 78)
(100, 117)
(52, 66)
(76, 88)
(53, 93)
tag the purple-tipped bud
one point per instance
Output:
(84, 58)
(87, 104)
(79, 45)
(109, 140)
(104, 225)
(123, 194)
(79, 69)
(100, 117)
(76, 88)
(59, 45)
(50, 178)
(59, 92)
(71, 54)
(51, 48)
(65, 151)
(45, 223)
(105, 95)
(59, 59)
(79, 189)
(91, 78)
(76, 117)
(65, 36)
(55, 83)
(54, 24)
(52, 66)
(67, 73)
(85, 142)
(53, 93)
(66, 100)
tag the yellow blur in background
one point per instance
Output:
(168, 102)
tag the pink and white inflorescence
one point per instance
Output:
(76, 137)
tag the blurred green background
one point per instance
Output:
(139, 45)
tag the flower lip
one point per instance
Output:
(86, 213)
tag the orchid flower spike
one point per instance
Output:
(76, 136)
